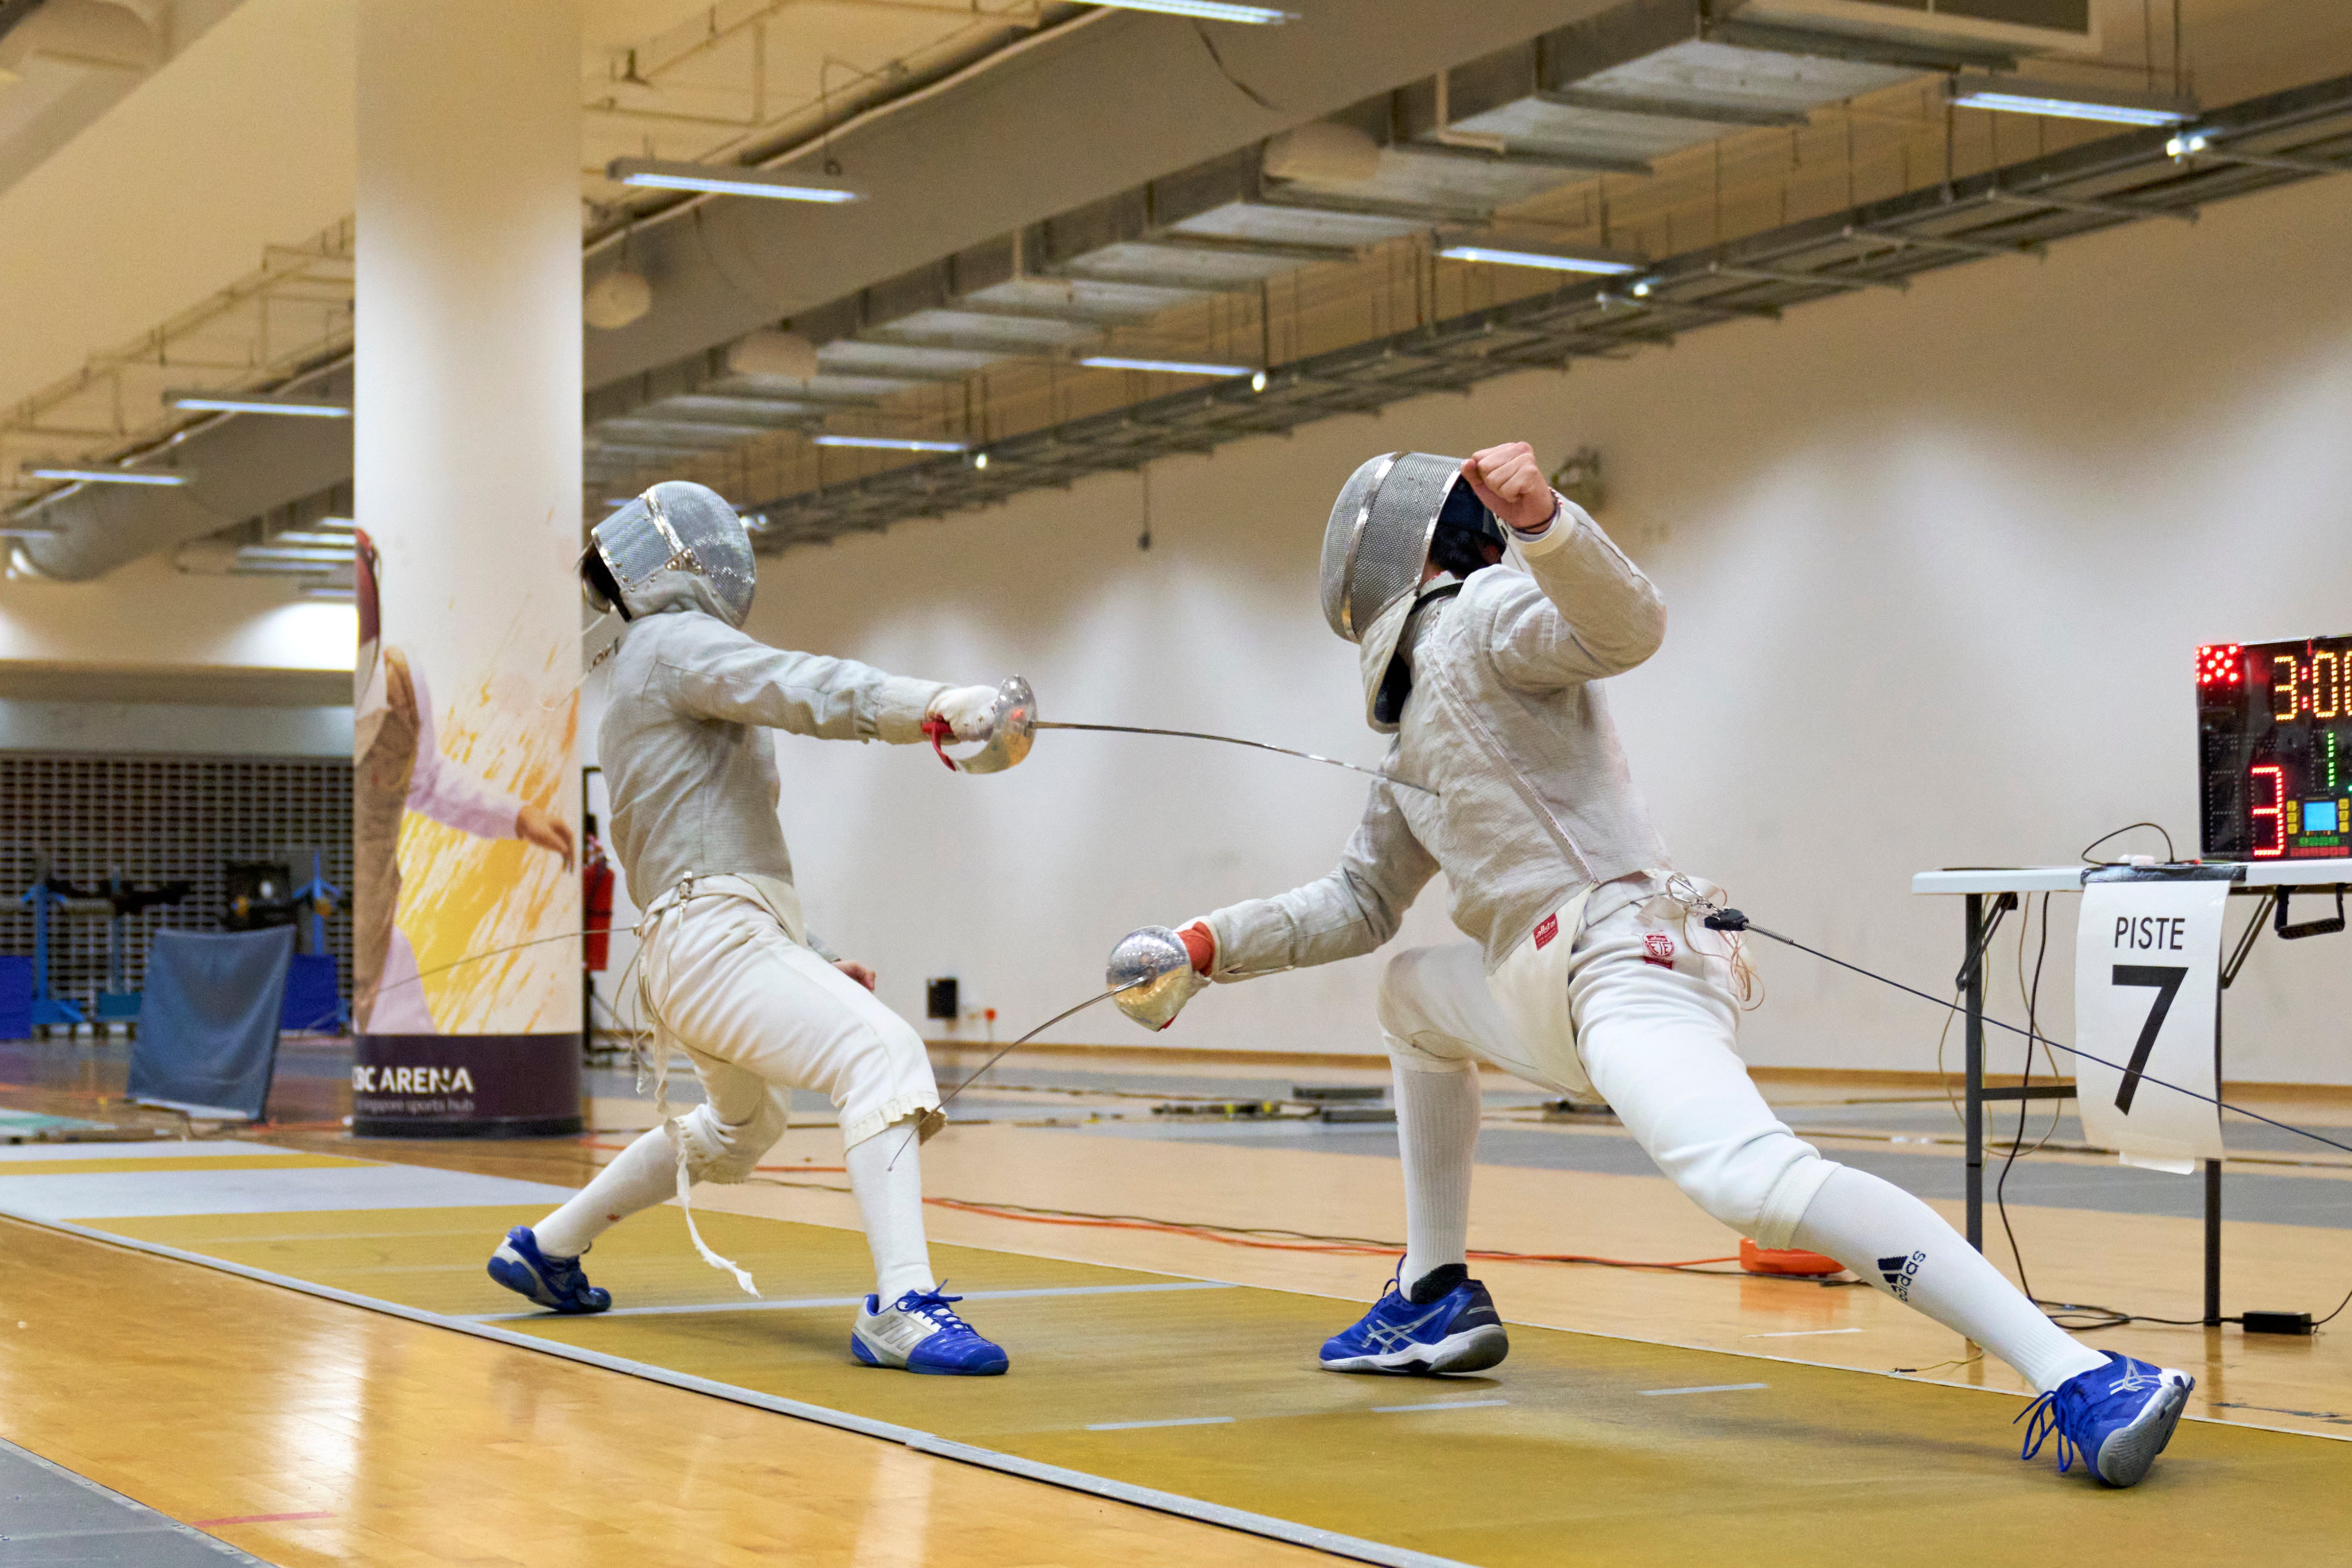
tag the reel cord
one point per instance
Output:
(2059, 1313)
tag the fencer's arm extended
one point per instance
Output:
(1350, 912)
(716, 672)
(446, 793)
(1594, 615)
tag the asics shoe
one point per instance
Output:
(2115, 1418)
(1446, 1323)
(921, 1332)
(556, 1282)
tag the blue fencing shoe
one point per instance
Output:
(556, 1282)
(2117, 1418)
(1447, 1323)
(921, 1332)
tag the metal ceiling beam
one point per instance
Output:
(1673, 109)
(2096, 187)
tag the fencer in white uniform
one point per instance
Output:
(727, 971)
(1489, 608)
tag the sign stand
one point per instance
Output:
(1995, 892)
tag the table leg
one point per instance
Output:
(1974, 1073)
(2212, 1244)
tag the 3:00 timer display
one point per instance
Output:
(2275, 746)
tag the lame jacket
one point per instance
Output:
(688, 766)
(1505, 723)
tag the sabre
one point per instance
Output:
(948, 1098)
(1013, 722)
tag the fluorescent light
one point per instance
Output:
(1167, 366)
(328, 590)
(1205, 10)
(2011, 94)
(245, 565)
(30, 533)
(889, 443)
(727, 180)
(1552, 261)
(273, 552)
(107, 476)
(229, 403)
(341, 543)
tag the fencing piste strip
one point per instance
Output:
(914, 1131)
(1234, 740)
(1733, 920)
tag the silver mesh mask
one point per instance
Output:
(678, 546)
(1377, 541)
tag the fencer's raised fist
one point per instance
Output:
(967, 710)
(1510, 482)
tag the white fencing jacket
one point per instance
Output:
(691, 773)
(1533, 801)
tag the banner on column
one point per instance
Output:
(463, 982)
(2148, 978)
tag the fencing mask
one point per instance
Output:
(1394, 514)
(677, 547)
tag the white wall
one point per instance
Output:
(148, 615)
(174, 729)
(1937, 563)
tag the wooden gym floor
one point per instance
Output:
(337, 1435)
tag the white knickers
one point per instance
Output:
(759, 1014)
(1637, 1009)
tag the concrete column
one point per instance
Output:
(467, 481)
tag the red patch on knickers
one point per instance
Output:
(1546, 929)
(1661, 949)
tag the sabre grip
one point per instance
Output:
(940, 732)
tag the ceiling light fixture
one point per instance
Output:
(1164, 367)
(2012, 95)
(727, 180)
(1206, 10)
(328, 590)
(232, 402)
(107, 476)
(1599, 263)
(889, 443)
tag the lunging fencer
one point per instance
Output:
(1489, 608)
(726, 969)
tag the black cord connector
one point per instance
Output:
(1726, 920)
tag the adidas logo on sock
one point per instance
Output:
(1899, 1271)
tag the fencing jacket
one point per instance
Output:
(691, 772)
(1533, 798)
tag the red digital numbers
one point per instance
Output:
(2217, 665)
(2275, 811)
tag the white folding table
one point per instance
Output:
(2274, 882)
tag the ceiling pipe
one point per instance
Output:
(1065, 121)
(239, 466)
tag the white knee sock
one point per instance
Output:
(1437, 1136)
(640, 1176)
(889, 1187)
(1877, 1229)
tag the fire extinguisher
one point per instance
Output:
(596, 900)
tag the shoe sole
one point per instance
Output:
(1474, 1350)
(2128, 1453)
(519, 1277)
(866, 1357)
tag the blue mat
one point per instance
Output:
(15, 999)
(208, 1025)
(313, 1001)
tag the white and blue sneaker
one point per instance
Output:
(1446, 1323)
(556, 1282)
(920, 1332)
(2115, 1418)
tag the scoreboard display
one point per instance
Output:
(2274, 748)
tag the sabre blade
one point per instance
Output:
(949, 1098)
(1232, 740)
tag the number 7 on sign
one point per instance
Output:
(2165, 981)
